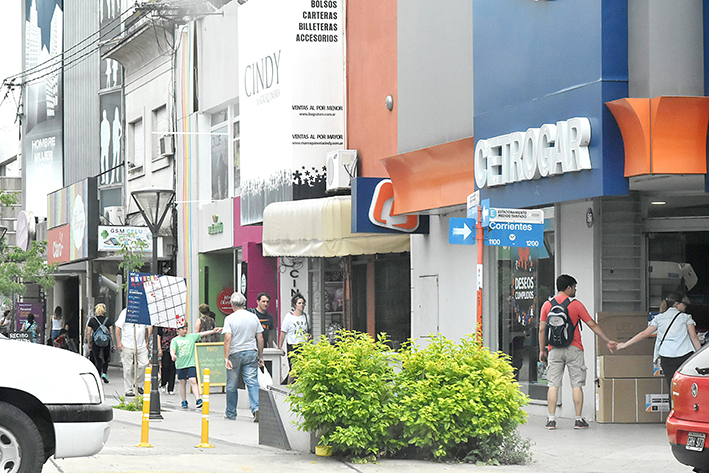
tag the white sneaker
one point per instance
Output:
(162, 390)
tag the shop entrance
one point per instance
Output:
(525, 280)
(679, 263)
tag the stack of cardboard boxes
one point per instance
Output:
(628, 388)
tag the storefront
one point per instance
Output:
(230, 259)
(72, 223)
(351, 280)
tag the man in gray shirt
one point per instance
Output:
(243, 353)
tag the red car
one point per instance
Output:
(688, 423)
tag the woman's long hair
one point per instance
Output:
(671, 299)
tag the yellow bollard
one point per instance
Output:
(205, 412)
(146, 411)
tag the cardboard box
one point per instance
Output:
(621, 327)
(631, 366)
(632, 401)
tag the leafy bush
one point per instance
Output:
(447, 401)
(341, 391)
(457, 401)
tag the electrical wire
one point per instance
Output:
(51, 62)
(56, 65)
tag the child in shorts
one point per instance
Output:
(182, 350)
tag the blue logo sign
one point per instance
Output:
(502, 233)
(461, 231)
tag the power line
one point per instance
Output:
(65, 62)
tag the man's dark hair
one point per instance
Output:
(260, 295)
(564, 281)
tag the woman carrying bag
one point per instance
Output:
(676, 335)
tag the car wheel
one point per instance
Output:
(21, 448)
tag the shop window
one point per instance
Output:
(526, 279)
(236, 148)
(160, 128)
(136, 145)
(220, 155)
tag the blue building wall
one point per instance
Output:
(543, 62)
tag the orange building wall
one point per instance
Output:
(371, 76)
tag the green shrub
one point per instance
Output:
(341, 391)
(446, 401)
(135, 405)
(457, 401)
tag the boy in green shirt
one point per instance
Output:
(182, 349)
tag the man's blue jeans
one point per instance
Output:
(246, 363)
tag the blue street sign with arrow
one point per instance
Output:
(461, 231)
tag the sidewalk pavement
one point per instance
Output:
(601, 448)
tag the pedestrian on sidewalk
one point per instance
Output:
(207, 321)
(295, 329)
(132, 341)
(98, 338)
(266, 319)
(571, 356)
(243, 353)
(676, 336)
(182, 350)
(167, 365)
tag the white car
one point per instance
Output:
(51, 404)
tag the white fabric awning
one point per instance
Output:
(321, 228)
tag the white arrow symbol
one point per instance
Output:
(512, 237)
(465, 231)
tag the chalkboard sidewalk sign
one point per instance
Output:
(211, 355)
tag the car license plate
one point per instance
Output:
(695, 441)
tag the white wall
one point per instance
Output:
(665, 48)
(147, 89)
(218, 59)
(454, 265)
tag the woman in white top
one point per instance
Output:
(57, 323)
(676, 335)
(295, 328)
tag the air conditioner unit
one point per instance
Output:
(115, 215)
(340, 168)
(167, 145)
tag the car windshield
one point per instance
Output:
(698, 364)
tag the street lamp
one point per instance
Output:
(153, 204)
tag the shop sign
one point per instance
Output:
(224, 300)
(524, 290)
(539, 152)
(216, 227)
(113, 238)
(58, 245)
(381, 207)
(515, 227)
(37, 309)
(372, 204)
(77, 207)
(292, 100)
(19, 336)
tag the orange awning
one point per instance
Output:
(663, 135)
(432, 178)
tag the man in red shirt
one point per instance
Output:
(570, 357)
